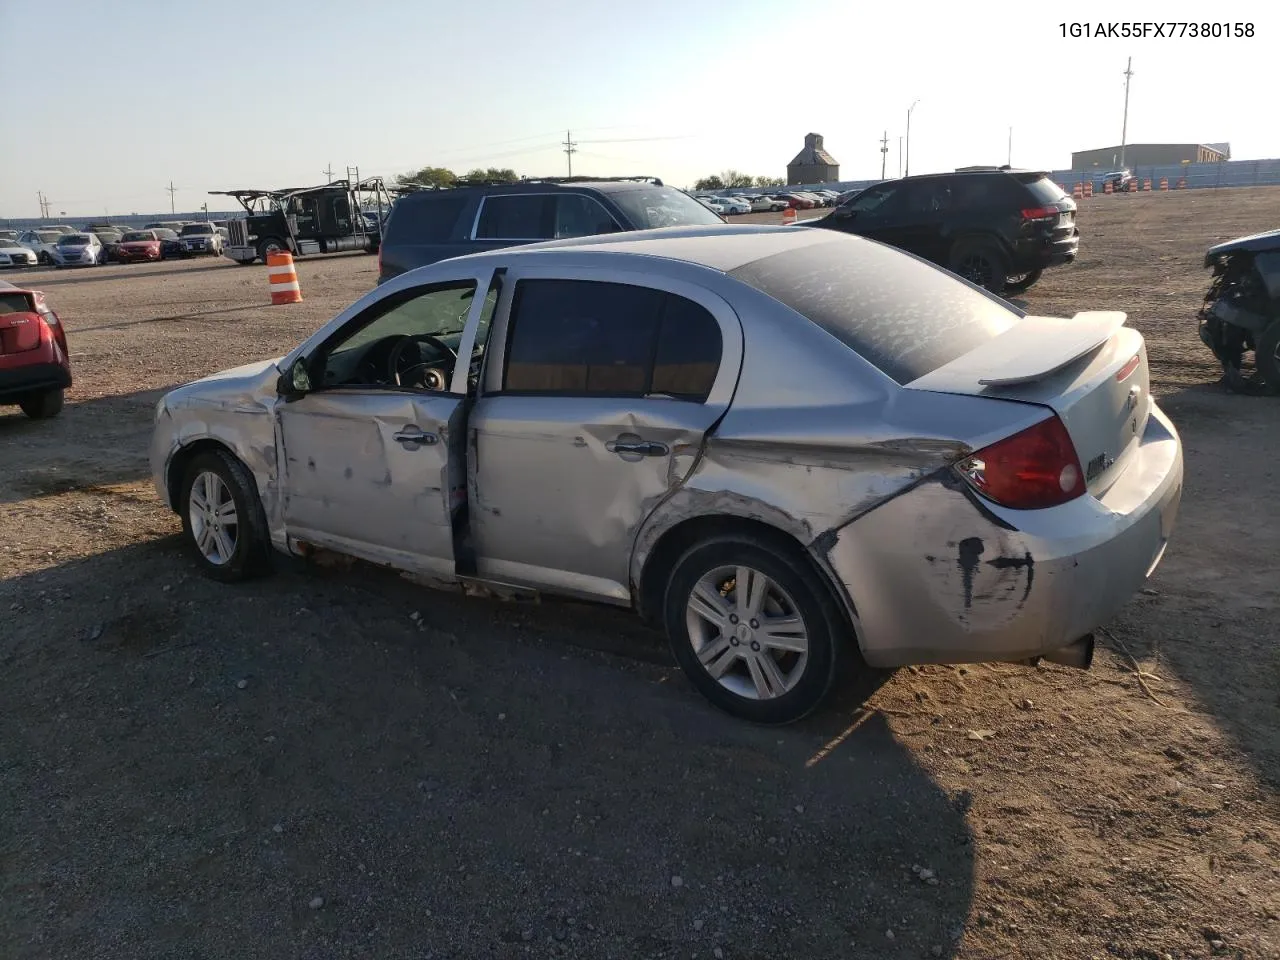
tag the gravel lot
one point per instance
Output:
(337, 763)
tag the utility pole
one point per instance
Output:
(328, 172)
(570, 148)
(909, 109)
(1010, 160)
(899, 156)
(44, 204)
(172, 190)
(1124, 128)
(884, 152)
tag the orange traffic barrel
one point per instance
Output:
(1088, 188)
(1077, 192)
(283, 278)
(1107, 187)
(789, 215)
(1164, 183)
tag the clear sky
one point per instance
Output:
(106, 103)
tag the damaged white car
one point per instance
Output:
(781, 446)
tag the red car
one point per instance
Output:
(138, 246)
(795, 201)
(35, 367)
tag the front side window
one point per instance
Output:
(588, 338)
(401, 340)
(578, 215)
(872, 199)
(515, 217)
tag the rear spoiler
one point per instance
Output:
(1023, 355)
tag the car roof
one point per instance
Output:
(720, 247)
(537, 186)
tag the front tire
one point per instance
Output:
(42, 406)
(222, 516)
(753, 627)
(271, 245)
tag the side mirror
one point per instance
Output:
(295, 382)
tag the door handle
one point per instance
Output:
(646, 448)
(415, 437)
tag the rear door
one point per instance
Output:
(598, 390)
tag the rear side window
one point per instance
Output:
(425, 219)
(14, 303)
(980, 192)
(609, 339)
(901, 314)
(515, 217)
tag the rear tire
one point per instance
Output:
(42, 406)
(239, 545)
(980, 262)
(1022, 282)
(789, 589)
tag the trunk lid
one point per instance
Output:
(19, 332)
(1090, 369)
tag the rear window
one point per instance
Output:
(74, 240)
(903, 315)
(135, 236)
(1045, 190)
(425, 218)
(14, 303)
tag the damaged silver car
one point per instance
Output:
(782, 446)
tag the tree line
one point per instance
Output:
(444, 177)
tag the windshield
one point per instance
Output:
(8, 244)
(652, 207)
(74, 240)
(48, 236)
(136, 235)
(196, 228)
(14, 303)
(166, 235)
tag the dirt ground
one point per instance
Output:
(333, 763)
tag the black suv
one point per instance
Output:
(430, 225)
(998, 227)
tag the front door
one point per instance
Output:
(372, 457)
(599, 390)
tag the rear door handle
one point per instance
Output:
(414, 437)
(646, 448)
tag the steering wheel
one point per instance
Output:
(397, 352)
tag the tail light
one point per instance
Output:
(1037, 214)
(1030, 470)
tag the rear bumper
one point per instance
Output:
(33, 378)
(935, 577)
(1032, 256)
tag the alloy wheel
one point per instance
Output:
(215, 526)
(747, 632)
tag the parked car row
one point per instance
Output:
(102, 243)
(735, 205)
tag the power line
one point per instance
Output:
(569, 148)
(1124, 128)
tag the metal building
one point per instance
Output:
(1151, 155)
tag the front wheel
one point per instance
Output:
(223, 518)
(754, 632)
(1021, 282)
(269, 246)
(42, 406)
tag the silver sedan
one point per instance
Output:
(781, 446)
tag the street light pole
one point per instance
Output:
(909, 109)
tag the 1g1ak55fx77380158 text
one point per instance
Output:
(1208, 29)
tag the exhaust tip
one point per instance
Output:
(1078, 654)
